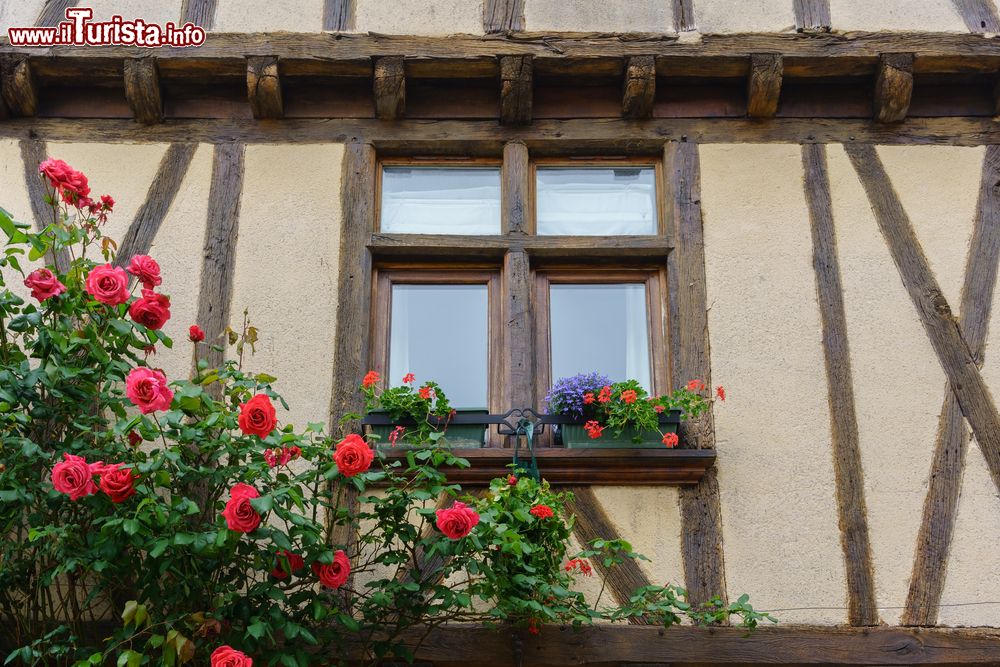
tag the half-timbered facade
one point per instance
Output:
(822, 239)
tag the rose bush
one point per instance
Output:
(155, 520)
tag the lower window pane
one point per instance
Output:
(440, 333)
(600, 328)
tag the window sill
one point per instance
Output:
(579, 467)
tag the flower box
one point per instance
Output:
(463, 431)
(574, 436)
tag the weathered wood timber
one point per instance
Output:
(503, 16)
(390, 88)
(639, 89)
(980, 16)
(518, 325)
(893, 87)
(945, 480)
(53, 11)
(264, 87)
(199, 12)
(812, 15)
(854, 537)
(337, 15)
(142, 90)
(219, 250)
(592, 523)
(515, 90)
(432, 245)
(683, 15)
(701, 513)
(138, 239)
(516, 176)
(943, 329)
(764, 85)
(18, 86)
(32, 154)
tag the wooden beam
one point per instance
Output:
(639, 89)
(33, 153)
(943, 329)
(264, 87)
(516, 175)
(683, 15)
(764, 85)
(893, 87)
(199, 12)
(592, 523)
(219, 250)
(517, 284)
(848, 471)
(142, 90)
(701, 512)
(337, 15)
(545, 247)
(53, 12)
(515, 90)
(503, 16)
(138, 239)
(390, 88)
(945, 480)
(812, 15)
(17, 84)
(980, 16)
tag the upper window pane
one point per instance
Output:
(595, 201)
(601, 328)
(440, 333)
(440, 200)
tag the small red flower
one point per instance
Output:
(196, 334)
(670, 440)
(658, 408)
(295, 451)
(371, 378)
(593, 429)
(134, 438)
(409, 378)
(695, 385)
(541, 511)
(396, 434)
(533, 626)
(720, 392)
(605, 395)
(107, 202)
(511, 480)
(588, 398)
(629, 396)
(426, 393)
(288, 563)
(580, 564)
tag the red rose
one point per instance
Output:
(670, 440)
(148, 390)
(151, 311)
(134, 438)
(107, 202)
(74, 476)
(353, 455)
(146, 270)
(335, 574)
(118, 482)
(227, 656)
(108, 285)
(457, 521)
(288, 564)
(541, 511)
(257, 416)
(371, 379)
(43, 284)
(195, 334)
(240, 515)
(71, 185)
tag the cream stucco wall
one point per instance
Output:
(17, 203)
(419, 17)
(745, 16)
(925, 15)
(779, 515)
(286, 270)
(598, 16)
(268, 16)
(17, 13)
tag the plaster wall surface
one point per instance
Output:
(922, 15)
(746, 16)
(419, 17)
(18, 13)
(151, 11)
(779, 515)
(268, 16)
(598, 16)
(17, 203)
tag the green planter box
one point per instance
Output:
(575, 437)
(461, 436)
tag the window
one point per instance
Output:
(437, 199)
(437, 325)
(599, 200)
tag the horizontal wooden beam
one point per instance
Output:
(430, 245)
(632, 467)
(614, 645)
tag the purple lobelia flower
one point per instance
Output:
(566, 395)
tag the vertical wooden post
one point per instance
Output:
(639, 88)
(390, 88)
(764, 84)
(812, 15)
(515, 90)
(893, 87)
(17, 84)
(502, 16)
(264, 87)
(142, 90)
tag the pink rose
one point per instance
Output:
(336, 573)
(71, 185)
(147, 389)
(108, 285)
(43, 284)
(145, 269)
(240, 515)
(227, 656)
(457, 521)
(353, 455)
(151, 311)
(74, 476)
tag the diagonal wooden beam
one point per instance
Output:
(199, 12)
(812, 15)
(515, 90)
(893, 87)
(389, 87)
(33, 153)
(980, 16)
(264, 87)
(701, 510)
(943, 329)
(639, 89)
(764, 84)
(853, 515)
(138, 239)
(501, 16)
(337, 15)
(53, 11)
(592, 523)
(142, 90)
(17, 84)
(944, 485)
(219, 248)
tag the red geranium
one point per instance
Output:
(541, 511)
(670, 440)
(371, 378)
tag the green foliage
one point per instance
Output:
(424, 410)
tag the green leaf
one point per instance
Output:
(263, 504)
(257, 630)
(128, 614)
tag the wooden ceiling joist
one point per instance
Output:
(142, 90)
(893, 87)
(264, 87)
(639, 89)
(20, 92)
(389, 86)
(515, 90)
(764, 85)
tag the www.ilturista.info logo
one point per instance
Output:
(78, 30)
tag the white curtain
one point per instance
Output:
(440, 200)
(596, 201)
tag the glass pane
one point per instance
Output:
(440, 200)
(600, 328)
(596, 201)
(440, 333)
